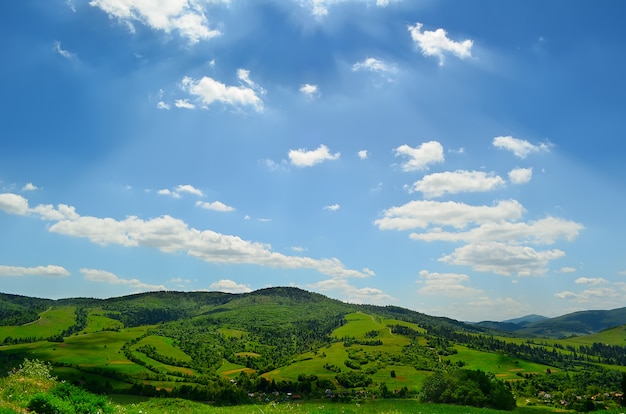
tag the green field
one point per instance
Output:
(51, 322)
(505, 367)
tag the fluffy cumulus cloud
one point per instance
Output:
(13, 204)
(520, 147)
(425, 214)
(544, 231)
(172, 235)
(445, 284)
(229, 286)
(520, 175)
(30, 187)
(102, 276)
(436, 43)
(497, 239)
(207, 91)
(332, 207)
(503, 259)
(43, 271)
(362, 154)
(185, 17)
(421, 157)
(303, 158)
(215, 206)
(452, 182)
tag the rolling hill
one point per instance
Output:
(237, 347)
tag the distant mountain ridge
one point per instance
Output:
(572, 324)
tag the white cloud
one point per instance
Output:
(229, 286)
(419, 158)
(102, 276)
(520, 175)
(437, 43)
(568, 269)
(423, 213)
(503, 259)
(167, 192)
(187, 188)
(602, 296)
(319, 8)
(374, 65)
(43, 271)
(445, 284)
(332, 207)
(452, 182)
(304, 158)
(298, 249)
(179, 190)
(30, 187)
(184, 103)
(362, 154)
(591, 281)
(62, 52)
(309, 90)
(520, 147)
(207, 91)
(171, 235)
(163, 105)
(215, 206)
(352, 293)
(275, 166)
(183, 16)
(244, 76)
(13, 204)
(545, 231)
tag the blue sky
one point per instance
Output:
(462, 159)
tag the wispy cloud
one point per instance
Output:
(520, 147)
(102, 276)
(42, 271)
(62, 52)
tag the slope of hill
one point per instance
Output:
(196, 345)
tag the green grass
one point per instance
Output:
(51, 322)
(164, 346)
(505, 367)
(97, 322)
(171, 406)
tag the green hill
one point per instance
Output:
(281, 342)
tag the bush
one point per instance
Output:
(50, 404)
(467, 387)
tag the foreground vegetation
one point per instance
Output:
(287, 349)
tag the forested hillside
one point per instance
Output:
(283, 342)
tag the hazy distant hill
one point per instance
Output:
(525, 320)
(577, 323)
